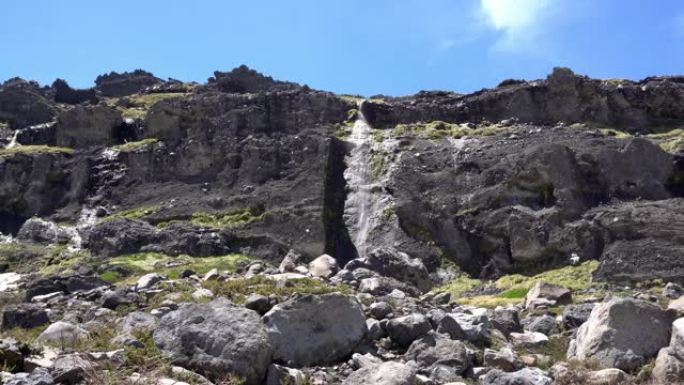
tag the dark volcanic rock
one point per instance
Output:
(38, 184)
(85, 126)
(245, 80)
(562, 96)
(24, 104)
(127, 83)
(65, 94)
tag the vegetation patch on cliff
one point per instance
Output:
(229, 219)
(134, 213)
(438, 129)
(136, 106)
(132, 146)
(670, 141)
(35, 149)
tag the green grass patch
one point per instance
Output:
(517, 292)
(228, 220)
(459, 286)
(439, 129)
(132, 146)
(143, 263)
(136, 106)
(616, 133)
(35, 149)
(27, 336)
(514, 287)
(238, 289)
(135, 213)
(572, 277)
(342, 131)
(670, 141)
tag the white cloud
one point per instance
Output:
(519, 21)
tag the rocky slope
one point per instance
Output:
(254, 230)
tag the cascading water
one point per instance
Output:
(359, 203)
(13, 142)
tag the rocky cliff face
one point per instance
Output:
(498, 181)
(346, 240)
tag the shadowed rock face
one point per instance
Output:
(251, 164)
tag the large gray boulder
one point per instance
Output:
(392, 263)
(387, 373)
(622, 333)
(215, 339)
(440, 357)
(526, 376)
(315, 329)
(404, 330)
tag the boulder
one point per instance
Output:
(528, 339)
(12, 354)
(279, 375)
(525, 376)
(615, 335)
(404, 330)
(575, 315)
(391, 263)
(672, 290)
(290, 262)
(315, 329)
(610, 376)
(440, 357)
(387, 373)
(63, 333)
(216, 338)
(668, 368)
(505, 359)
(259, 303)
(324, 266)
(40, 231)
(23, 316)
(677, 339)
(39, 376)
(506, 320)
(545, 324)
(379, 310)
(148, 281)
(547, 294)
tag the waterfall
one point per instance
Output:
(13, 142)
(359, 205)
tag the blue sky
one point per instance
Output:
(354, 46)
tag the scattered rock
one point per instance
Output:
(526, 376)
(547, 294)
(23, 316)
(404, 330)
(615, 335)
(575, 315)
(216, 338)
(315, 329)
(324, 266)
(63, 333)
(387, 373)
